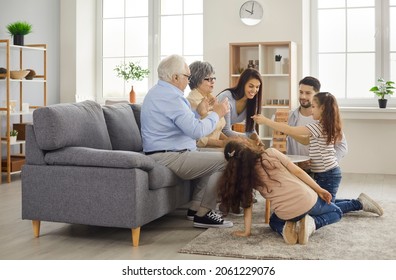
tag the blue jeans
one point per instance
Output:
(322, 213)
(330, 181)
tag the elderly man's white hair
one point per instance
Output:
(171, 65)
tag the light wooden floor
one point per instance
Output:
(160, 239)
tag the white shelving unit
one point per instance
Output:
(279, 86)
(14, 57)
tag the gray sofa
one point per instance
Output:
(84, 165)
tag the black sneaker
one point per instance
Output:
(191, 214)
(211, 220)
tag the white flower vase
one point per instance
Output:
(278, 67)
(13, 139)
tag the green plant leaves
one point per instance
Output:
(131, 71)
(19, 28)
(383, 88)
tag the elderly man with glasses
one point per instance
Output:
(170, 129)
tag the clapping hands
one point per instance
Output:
(205, 106)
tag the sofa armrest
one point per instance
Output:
(81, 156)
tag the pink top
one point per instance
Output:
(289, 196)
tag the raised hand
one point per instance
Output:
(325, 195)
(222, 108)
(203, 107)
(260, 119)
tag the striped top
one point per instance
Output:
(322, 155)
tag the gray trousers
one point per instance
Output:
(203, 168)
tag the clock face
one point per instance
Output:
(251, 12)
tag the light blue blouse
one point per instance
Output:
(233, 117)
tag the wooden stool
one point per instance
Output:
(267, 211)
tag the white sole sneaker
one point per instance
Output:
(369, 205)
(307, 227)
(225, 224)
(290, 233)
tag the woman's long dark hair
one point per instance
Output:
(330, 120)
(236, 185)
(253, 106)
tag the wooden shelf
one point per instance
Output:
(19, 57)
(18, 142)
(15, 164)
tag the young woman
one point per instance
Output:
(295, 197)
(245, 102)
(321, 137)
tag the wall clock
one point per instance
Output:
(251, 12)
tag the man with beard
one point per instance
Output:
(302, 116)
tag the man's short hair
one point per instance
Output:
(311, 81)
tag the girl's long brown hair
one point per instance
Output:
(330, 119)
(236, 185)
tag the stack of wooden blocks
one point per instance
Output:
(279, 138)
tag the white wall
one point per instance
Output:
(371, 146)
(44, 17)
(371, 139)
(282, 21)
(78, 50)
(68, 50)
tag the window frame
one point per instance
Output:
(382, 52)
(154, 47)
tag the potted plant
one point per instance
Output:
(383, 88)
(13, 136)
(131, 71)
(18, 30)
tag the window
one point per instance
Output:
(354, 43)
(145, 31)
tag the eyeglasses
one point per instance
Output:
(187, 76)
(210, 79)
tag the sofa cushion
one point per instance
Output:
(136, 108)
(66, 125)
(79, 156)
(123, 130)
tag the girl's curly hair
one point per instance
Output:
(236, 185)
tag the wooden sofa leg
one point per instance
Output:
(36, 228)
(135, 236)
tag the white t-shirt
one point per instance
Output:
(301, 149)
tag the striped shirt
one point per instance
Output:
(322, 155)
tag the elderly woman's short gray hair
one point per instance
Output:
(171, 65)
(199, 71)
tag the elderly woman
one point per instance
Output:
(201, 85)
